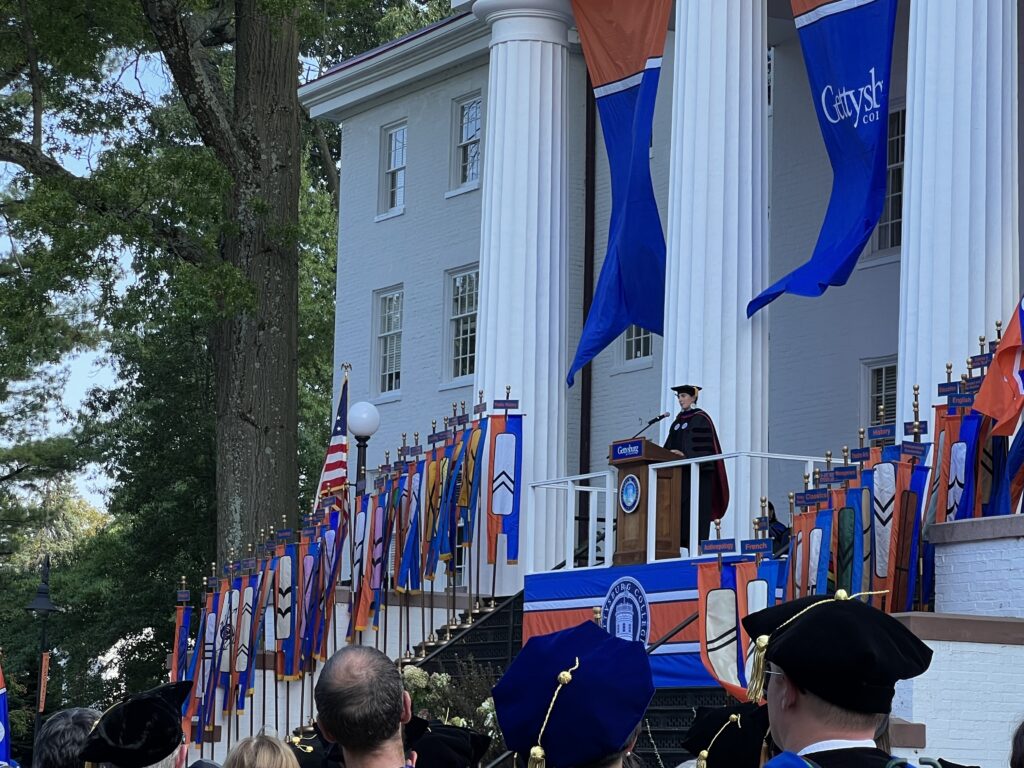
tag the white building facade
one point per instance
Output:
(473, 221)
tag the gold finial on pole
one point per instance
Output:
(345, 368)
(455, 411)
(597, 615)
(462, 407)
(846, 455)
(949, 372)
(183, 582)
(480, 396)
(828, 460)
(213, 570)
(999, 330)
(970, 368)
(981, 344)
(807, 481)
(508, 391)
(387, 457)
(792, 504)
(860, 436)
(205, 583)
(415, 438)
(817, 476)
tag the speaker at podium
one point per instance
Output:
(632, 458)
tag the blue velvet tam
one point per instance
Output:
(597, 688)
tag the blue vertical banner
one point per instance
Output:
(5, 725)
(623, 51)
(847, 47)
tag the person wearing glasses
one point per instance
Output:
(827, 668)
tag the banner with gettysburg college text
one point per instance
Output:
(847, 47)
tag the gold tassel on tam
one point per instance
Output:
(702, 756)
(755, 688)
(537, 757)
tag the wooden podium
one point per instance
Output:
(631, 458)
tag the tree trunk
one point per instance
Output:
(257, 350)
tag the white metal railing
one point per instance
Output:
(598, 496)
(742, 512)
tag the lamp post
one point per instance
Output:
(41, 606)
(363, 420)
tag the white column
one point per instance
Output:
(521, 316)
(959, 267)
(718, 227)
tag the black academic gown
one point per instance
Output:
(693, 433)
(860, 757)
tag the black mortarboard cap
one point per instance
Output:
(687, 389)
(141, 730)
(840, 649)
(728, 737)
(573, 696)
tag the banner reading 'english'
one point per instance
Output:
(847, 47)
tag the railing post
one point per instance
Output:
(591, 529)
(694, 510)
(570, 526)
(610, 497)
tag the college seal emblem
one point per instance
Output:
(629, 494)
(626, 613)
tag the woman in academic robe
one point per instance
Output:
(693, 434)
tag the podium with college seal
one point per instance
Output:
(631, 458)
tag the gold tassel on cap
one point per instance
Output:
(702, 756)
(537, 757)
(755, 688)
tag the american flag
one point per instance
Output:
(334, 476)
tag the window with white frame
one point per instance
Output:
(389, 340)
(882, 394)
(637, 343)
(463, 293)
(393, 181)
(468, 124)
(890, 223)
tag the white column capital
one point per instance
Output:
(545, 21)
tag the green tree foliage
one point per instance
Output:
(118, 209)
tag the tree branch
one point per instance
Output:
(33, 77)
(327, 162)
(198, 93)
(45, 168)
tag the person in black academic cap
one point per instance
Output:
(692, 435)
(827, 668)
(143, 730)
(735, 736)
(574, 698)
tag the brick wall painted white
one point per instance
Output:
(987, 591)
(969, 700)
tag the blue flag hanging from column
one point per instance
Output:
(847, 47)
(5, 726)
(623, 51)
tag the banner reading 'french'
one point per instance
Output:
(623, 50)
(847, 47)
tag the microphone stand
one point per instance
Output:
(650, 424)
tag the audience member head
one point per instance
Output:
(261, 752)
(828, 667)
(729, 737)
(1017, 751)
(574, 698)
(360, 701)
(62, 737)
(143, 730)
